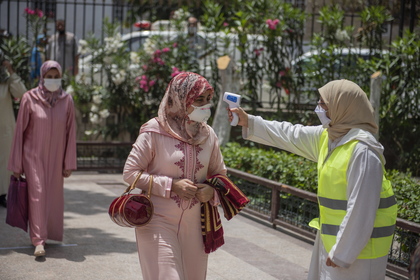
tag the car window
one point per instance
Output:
(136, 43)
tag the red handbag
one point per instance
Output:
(132, 210)
(17, 203)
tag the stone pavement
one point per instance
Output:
(95, 248)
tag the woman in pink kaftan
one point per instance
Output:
(181, 151)
(44, 150)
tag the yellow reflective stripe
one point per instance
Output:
(377, 232)
(338, 204)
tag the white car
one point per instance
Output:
(339, 66)
(135, 41)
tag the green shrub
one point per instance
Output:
(407, 191)
(272, 164)
(301, 173)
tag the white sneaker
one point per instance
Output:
(39, 251)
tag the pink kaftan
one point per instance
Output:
(171, 245)
(44, 145)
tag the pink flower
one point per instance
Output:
(143, 84)
(157, 53)
(159, 61)
(225, 24)
(39, 13)
(282, 73)
(166, 50)
(152, 83)
(144, 67)
(272, 24)
(258, 51)
(29, 11)
(175, 71)
(175, 45)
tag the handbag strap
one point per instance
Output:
(133, 185)
(150, 185)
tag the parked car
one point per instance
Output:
(135, 41)
(318, 68)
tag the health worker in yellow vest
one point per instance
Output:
(357, 206)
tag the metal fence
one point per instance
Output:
(84, 17)
(276, 203)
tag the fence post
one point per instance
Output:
(375, 96)
(229, 82)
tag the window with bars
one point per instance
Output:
(118, 11)
(49, 7)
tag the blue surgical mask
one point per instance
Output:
(322, 115)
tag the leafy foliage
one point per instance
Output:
(272, 164)
(400, 102)
(17, 51)
(122, 89)
(407, 191)
(110, 102)
(301, 173)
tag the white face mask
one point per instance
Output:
(52, 84)
(322, 115)
(200, 114)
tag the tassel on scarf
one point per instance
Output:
(211, 228)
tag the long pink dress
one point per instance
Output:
(44, 145)
(171, 245)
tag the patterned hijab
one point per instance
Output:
(181, 92)
(348, 108)
(50, 97)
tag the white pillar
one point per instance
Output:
(375, 96)
(230, 83)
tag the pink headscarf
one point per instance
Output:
(181, 92)
(50, 97)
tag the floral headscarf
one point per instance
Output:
(348, 108)
(181, 92)
(50, 97)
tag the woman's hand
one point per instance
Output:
(17, 175)
(184, 188)
(204, 192)
(66, 173)
(331, 263)
(243, 116)
(8, 66)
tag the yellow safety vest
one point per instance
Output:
(332, 200)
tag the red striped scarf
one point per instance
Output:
(232, 200)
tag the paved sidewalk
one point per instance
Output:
(95, 248)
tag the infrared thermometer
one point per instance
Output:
(234, 101)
